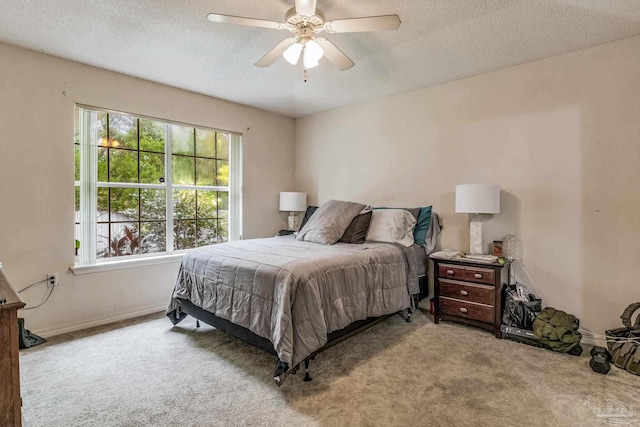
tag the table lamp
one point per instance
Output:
(293, 202)
(476, 199)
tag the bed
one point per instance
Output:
(295, 298)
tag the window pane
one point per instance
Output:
(184, 170)
(124, 240)
(152, 135)
(101, 125)
(78, 235)
(205, 143)
(77, 230)
(123, 165)
(153, 237)
(151, 168)
(184, 204)
(223, 173)
(222, 142)
(103, 205)
(223, 204)
(124, 204)
(207, 232)
(182, 140)
(77, 162)
(205, 171)
(153, 204)
(102, 240)
(123, 131)
(77, 204)
(207, 204)
(103, 176)
(76, 140)
(223, 230)
(76, 126)
(184, 234)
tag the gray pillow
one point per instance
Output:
(329, 222)
(356, 232)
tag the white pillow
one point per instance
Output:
(392, 226)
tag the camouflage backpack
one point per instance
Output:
(557, 330)
(624, 343)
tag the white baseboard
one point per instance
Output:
(47, 333)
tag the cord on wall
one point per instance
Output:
(43, 301)
(52, 282)
(528, 280)
(33, 284)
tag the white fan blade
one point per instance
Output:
(306, 7)
(335, 55)
(275, 53)
(241, 20)
(357, 25)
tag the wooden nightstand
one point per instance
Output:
(469, 291)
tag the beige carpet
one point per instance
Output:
(147, 372)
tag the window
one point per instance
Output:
(145, 186)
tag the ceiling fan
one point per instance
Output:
(306, 22)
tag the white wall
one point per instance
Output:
(560, 136)
(37, 96)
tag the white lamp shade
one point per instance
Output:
(312, 54)
(478, 199)
(309, 63)
(292, 54)
(293, 201)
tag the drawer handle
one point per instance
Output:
(464, 310)
(450, 272)
(465, 293)
(478, 276)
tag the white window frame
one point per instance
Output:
(88, 184)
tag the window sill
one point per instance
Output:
(128, 263)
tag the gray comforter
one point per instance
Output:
(294, 293)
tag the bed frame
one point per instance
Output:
(282, 369)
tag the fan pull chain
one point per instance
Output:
(305, 75)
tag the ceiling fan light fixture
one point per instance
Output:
(312, 54)
(310, 63)
(305, 21)
(292, 53)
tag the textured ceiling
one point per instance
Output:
(171, 42)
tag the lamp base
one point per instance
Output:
(475, 236)
(293, 221)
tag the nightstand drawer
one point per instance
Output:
(468, 310)
(481, 294)
(480, 275)
(451, 271)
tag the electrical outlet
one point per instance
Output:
(53, 280)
